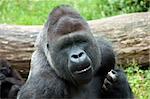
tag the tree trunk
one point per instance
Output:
(129, 34)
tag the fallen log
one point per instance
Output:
(129, 34)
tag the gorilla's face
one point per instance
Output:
(69, 46)
(74, 56)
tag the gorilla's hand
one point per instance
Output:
(110, 79)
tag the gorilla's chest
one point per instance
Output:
(89, 91)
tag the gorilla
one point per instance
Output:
(69, 62)
(10, 80)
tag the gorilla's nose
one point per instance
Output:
(77, 56)
(79, 61)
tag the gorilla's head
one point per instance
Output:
(69, 46)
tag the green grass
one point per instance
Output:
(139, 81)
(29, 12)
(36, 12)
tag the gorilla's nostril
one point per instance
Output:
(81, 54)
(74, 56)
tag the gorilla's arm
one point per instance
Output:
(42, 82)
(107, 56)
(114, 87)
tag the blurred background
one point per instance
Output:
(34, 12)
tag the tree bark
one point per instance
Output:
(129, 34)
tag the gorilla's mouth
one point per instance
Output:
(83, 70)
(83, 74)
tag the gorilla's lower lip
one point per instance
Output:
(83, 70)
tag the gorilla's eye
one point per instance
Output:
(47, 45)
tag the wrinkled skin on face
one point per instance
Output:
(70, 47)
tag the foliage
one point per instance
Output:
(139, 80)
(36, 11)
(128, 6)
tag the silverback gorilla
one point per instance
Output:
(70, 63)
